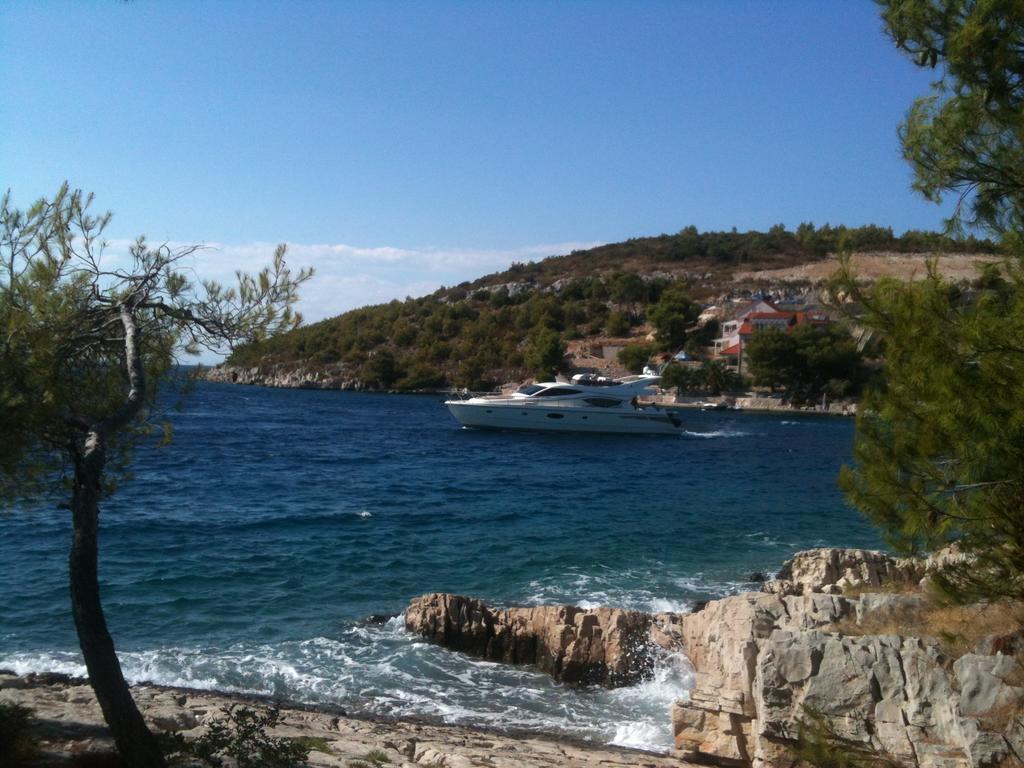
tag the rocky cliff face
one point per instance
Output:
(766, 662)
(287, 376)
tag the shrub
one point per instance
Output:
(617, 324)
(545, 353)
(633, 357)
(375, 758)
(313, 743)
(819, 744)
(240, 738)
(17, 744)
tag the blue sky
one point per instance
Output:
(400, 146)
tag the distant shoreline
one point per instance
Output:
(791, 410)
(303, 379)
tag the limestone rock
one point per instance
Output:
(611, 646)
(833, 570)
(763, 661)
(723, 642)
(884, 606)
(892, 694)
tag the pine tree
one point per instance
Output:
(86, 343)
(940, 449)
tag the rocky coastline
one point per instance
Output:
(336, 376)
(832, 643)
(804, 652)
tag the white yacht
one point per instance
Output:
(588, 403)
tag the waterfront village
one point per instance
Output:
(738, 319)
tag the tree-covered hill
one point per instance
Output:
(720, 251)
(513, 324)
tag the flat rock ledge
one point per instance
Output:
(68, 721)
(606, 646)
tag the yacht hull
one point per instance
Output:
(532, 417)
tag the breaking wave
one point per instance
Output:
(384, 670)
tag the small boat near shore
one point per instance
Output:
(588, 403)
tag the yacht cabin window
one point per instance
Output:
(603, 402)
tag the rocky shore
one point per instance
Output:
(69, 725)
(839, 643)
(806, 650)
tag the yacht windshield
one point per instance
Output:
(529, 389)
(555, 391)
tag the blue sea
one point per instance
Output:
(248, 554)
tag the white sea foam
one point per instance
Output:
(665, 605)
(717, 433)
(636, 589)
(65, 664)
(649, 703)
(384, 670)
(701, 585)
(645, 736)
(364, 514)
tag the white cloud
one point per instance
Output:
(347, 277)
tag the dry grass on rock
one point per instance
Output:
(958, 629)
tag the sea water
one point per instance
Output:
(252, 552)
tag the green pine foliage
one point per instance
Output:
(545, 354)
(479, 340)
(85, 348)
(673, 317)
(62, 355)
(940, 447)
(715, 250)
(807, 362)
(965, 139)
(633, 357)
(712, 377)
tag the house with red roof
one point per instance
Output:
(731, 327)
(757, 317)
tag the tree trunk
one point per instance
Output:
(135, 742)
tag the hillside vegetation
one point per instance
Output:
(514, 324)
